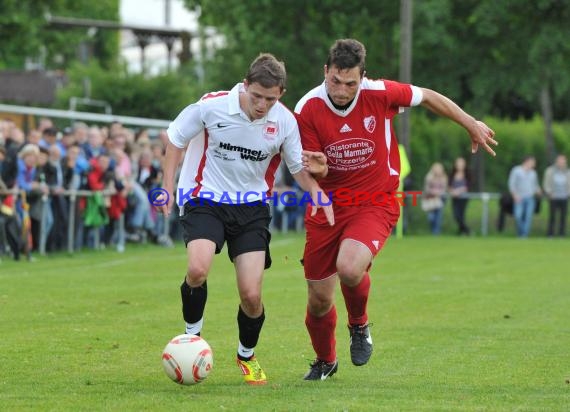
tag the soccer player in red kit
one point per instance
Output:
(349, 141)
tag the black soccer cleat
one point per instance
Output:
(360, 344)
(321, 370)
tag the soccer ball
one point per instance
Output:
(187, 359)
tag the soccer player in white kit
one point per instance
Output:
(234, 142)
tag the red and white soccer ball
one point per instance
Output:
(187, 359)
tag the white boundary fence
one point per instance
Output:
(485, 198)
(84, 116)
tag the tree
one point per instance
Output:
(158, 97)
(300, 33)
(538, 62)
(25, 33)
(406, 34)
(20, 26)
(508, 58)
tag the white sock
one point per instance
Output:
(194, 328)
(245, 352)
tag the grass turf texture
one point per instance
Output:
(459, 324)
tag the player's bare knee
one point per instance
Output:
(320, 309)
(196, 275)
(352, 280)
(251, 304)
(319, 305)
(349, 273)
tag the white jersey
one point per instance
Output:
(229, 158)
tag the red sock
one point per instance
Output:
(355, 299)
(322, 332)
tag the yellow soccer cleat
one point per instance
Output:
(252, 372)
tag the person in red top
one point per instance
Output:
(347, 133)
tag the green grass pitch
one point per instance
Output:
(476, 324)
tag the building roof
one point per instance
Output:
(34, 87)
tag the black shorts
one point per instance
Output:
(245, 226)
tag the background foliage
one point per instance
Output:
(25, 33)
(441, 140)
(492, 57)
(299, 33)
(158, 97)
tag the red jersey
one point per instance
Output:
(359, 142)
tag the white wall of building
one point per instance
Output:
(152, 13)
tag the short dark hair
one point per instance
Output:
(50, 131)
(346, 54)
(267, 71)
(528, 157)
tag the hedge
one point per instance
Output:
(438, 139)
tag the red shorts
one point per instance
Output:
(369, 225)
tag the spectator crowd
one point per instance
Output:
(41, 170)
(522, 200)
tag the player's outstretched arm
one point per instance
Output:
(319, 197)
(479, 132)
(315, 163)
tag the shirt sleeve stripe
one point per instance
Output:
(417, 96)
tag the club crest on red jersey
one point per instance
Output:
(370, 123)
(270, 131)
